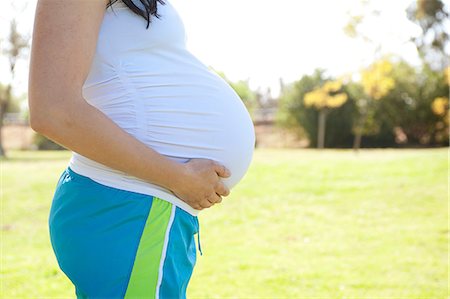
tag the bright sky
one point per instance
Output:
(264, 40)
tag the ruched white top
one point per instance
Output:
(154, 88)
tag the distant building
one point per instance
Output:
(268, 134)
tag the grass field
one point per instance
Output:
(302, 224)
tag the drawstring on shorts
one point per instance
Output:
(198, 236)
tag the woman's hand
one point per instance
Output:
(199, 183)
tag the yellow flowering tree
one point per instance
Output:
(323, 99)
(376, 79)
(377, 82)
(440, 107)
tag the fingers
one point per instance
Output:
(197, 207)
(220, 198)
(214, 198)
(204, 205)
(221, 170)
(210, 200)
(221, 189)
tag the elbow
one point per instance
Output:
(45, 119)
(35, 123)
(37, 111)
(52, 105)
(35, 108)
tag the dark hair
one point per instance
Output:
(151, 8)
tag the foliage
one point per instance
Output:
(14, 102)
(440, 106)
(363, 107)
(397, 108)
(247, 95)
(376, 79)
(324, 99)
(376, 82)
(43, 143)
(409, 105)
(433, 43)
(402, 116)
(294, 113)
(13, 50)
(326, 96)
(243, 90)
(358, 15)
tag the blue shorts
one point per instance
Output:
(113, 243)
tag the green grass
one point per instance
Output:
(302, 224)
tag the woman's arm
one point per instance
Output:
(64, 41)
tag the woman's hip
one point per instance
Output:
(116, 243)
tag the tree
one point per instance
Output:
(292, 113)
(247, 95)
(323, 99)
(303, 120)
(397, 111)
(243, 90)
(440, 107)
(428, 126)
(376, 82)
(15, 46)
(407, 108)
(433, 43)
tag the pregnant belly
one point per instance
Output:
(184, 119)
(220, 130)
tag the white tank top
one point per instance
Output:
(149, 84)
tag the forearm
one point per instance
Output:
(84, 129)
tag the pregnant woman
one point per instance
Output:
(155, 136)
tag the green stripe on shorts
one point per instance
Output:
(144, 276)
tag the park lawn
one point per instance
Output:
(301, 224)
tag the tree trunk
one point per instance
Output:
(2, 151)
(361, 123)
(321, 129)
(359, 132)
(4, 103)
(357, 141)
